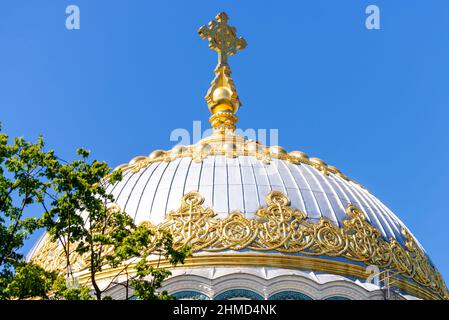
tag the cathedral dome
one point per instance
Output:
(263, 222)
(274, 214)
(237, 184)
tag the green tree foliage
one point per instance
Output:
(60, 291)
(23, 183)
(149, 279)
(80, 216)
(78, 213)
(30, 281)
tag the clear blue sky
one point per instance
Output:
(374, 103)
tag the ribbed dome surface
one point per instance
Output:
(241, 184)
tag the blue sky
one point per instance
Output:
(374, 103)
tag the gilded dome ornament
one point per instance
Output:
(222, 97)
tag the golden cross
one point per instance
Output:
(222, 38)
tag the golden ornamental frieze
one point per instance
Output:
(279, 227)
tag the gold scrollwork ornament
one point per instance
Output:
(279, 227)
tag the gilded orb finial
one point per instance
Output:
(222, 97)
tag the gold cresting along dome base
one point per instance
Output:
(340, 228)
(230, 145)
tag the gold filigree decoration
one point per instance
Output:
(51, 254)
(279, 227)
(191, 223)
(282, 228)
(51, 257)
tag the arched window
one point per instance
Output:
(189, 295)
(239, 294)
(289, 295)
(337, 298)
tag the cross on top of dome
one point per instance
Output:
(222, 97)
(222, 38)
